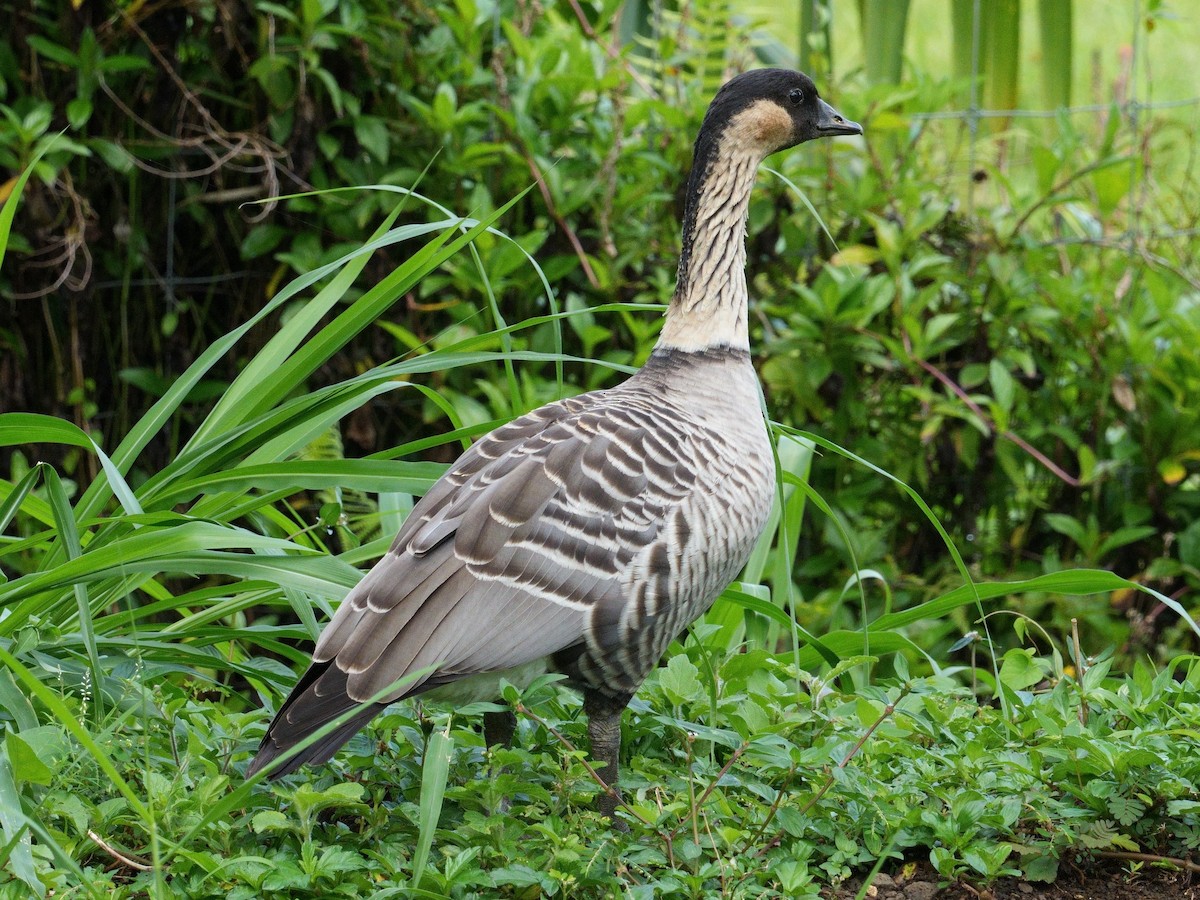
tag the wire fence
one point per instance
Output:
(1137, 109)
(1127, 106)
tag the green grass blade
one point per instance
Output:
(1002, 20)
(913, 495)
(288, 374)
(69, 538)
(1056, 32)
(846, 645)
(190, 548)
(34, 428)
(883, 26)
(9, 210)
(366, 310)
(739, 595)
(17, 495)
(807, 204)
(160, 413)
(259, 440)
(359, 474)
(230, 408)
(1070, 582)
(300, 604)
(434, 772)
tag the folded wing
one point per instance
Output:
(506, 560)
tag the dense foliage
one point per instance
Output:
(754, 790)
(1028, 373)
(1032, 380)
(1017, 345)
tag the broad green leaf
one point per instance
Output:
(17, 841)
(680, 679)
(1019, 671)
(26, 766)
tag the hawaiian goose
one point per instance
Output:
(584, 536)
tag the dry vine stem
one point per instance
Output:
(116, 854)
(1046, 462)
(1186, 865)
(613, 792)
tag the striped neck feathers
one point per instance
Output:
(709, 305)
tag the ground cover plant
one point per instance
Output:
(166, 559)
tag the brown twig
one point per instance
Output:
(720, 859)
(165, 64)
(724, 771)
(609, 50)
(125, 859)
(1176, 861)
(691, 746)
(72, 244)
(962, 395)
(883, 716)
(775, 804)
(608, 177)
(696, 804)
(981, 893)
(1051, 194)
(233, 144)
(558, 218)
(230, 147)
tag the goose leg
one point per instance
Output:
(604, 730)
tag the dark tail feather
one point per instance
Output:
(319, 752)
(318, 698)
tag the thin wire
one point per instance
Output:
(971, 114)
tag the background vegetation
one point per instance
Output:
(236, 346)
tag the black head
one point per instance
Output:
(773, 109)
(756, 114)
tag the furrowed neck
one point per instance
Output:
(709, 305)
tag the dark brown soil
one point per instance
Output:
(1102, 882)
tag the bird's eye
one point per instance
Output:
(796, 96)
